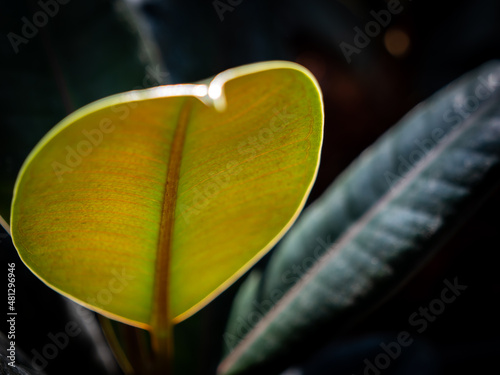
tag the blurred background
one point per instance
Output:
(374, 60)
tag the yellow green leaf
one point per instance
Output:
(145, 205)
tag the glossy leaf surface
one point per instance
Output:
(149, 203)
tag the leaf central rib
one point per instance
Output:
(161, 319)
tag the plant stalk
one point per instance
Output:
(162, 343)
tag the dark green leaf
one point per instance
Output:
(376, 225)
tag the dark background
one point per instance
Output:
(188, 41)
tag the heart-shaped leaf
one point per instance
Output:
(145, 205)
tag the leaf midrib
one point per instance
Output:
(161, 319)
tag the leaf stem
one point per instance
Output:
(162, 332)
(5, 225)
(163, 349)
